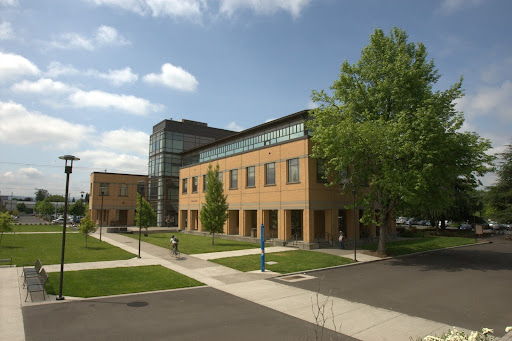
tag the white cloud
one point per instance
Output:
(43, 86)
(173, 77)
(115, 162)
(157, 8)
(489, 101)
(6, 31)
(100, 99)
(117, 77)
(234, 126)
(267, 7)
(12, 3)
(125, 141)
(105, 36)
(497, 71)
(12, 65)
(19, 126)
(451, 6)
(56, 69)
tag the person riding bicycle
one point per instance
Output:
(174, 241)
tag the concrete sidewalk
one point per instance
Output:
(354, 319)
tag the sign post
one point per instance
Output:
(262, 237)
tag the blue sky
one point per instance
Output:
(91, 77)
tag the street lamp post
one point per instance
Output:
(140, 190)
(355, 244)
(102, 193)
(68, 170)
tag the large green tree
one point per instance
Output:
(78, 208)
(148, 214)
(41, 194)
(44, 207)
(499, 196)
(384, 132)
(214, 211)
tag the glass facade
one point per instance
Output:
(166, 145)
(277, 134)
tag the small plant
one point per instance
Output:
(5, 224)
(87, 227)
(457, 335)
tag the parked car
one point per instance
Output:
(465, 227)
(60, 221)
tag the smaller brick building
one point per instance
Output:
(119, 198)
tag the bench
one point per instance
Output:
(6, 260)
(36, 284)
(33, 271)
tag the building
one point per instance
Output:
(270, 179)
(113, 198)
(167, 143)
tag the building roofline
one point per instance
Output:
(108, 173)
(249, 131)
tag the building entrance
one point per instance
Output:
(296, 221)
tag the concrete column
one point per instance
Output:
(263, 218)
(350, 224)
(308, 227)
(241, 223)
(182, 224)
(331, 223)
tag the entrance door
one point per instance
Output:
(296, 224)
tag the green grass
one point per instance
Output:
(103, 282)
(288, 261)
(26, 248)
(404, 247)
(39, 228)
(191, 244)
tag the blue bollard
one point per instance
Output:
(262, 237)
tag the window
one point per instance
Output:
(270, 174)
(205, 183)
(293, 170)
(220, 177)
(104, 188)
(184, 186)
(251, 176)
(123, 190)
(233, 179)
(194, 184)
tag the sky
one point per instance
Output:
(91, 78)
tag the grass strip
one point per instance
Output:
(415, 245)
(288, 261)
(26, 248)
(116, 281)
(192, 244)
(39, 228)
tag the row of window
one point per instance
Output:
(173, 142)
(293, 176)
(105, 189)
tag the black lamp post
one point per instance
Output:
(68, 170)
(355, 244)
(140, 190)
(102, 193)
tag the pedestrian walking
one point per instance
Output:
(340, 238)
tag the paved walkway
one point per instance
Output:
(357, 320)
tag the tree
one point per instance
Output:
(214, 212)
(6, 224)
(41, 194)
(56, 198)
(148, 214)
(78, 208)
(45, 207)
(385, 133)
(87, 226)
(499, 195)
(21, 207)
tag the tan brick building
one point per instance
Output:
(119, 199)
(270, 179)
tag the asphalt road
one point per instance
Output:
(469, 287)
(192, 314)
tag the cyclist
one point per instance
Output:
(174, 244)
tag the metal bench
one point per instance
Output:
(7, 260)
(36, 284)
(31, 271)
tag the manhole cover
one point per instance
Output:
(296, 278)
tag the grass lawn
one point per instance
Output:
(103, 282)
(404, 247)
(288, 261)
(26, 248)
(39, 228)
(191, 244)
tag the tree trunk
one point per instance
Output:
(381, 250)
(213, 238)
(443, 222)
